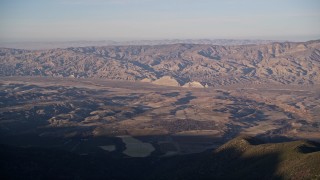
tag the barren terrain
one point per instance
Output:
(174, 111)
(173, 120)
(198, 64)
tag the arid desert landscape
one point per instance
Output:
(158, 106)
(159, 90)
(158, 119)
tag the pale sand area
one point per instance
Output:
(108, 148)
(135, 147)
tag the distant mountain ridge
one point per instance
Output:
(279, 63)
(67, 44)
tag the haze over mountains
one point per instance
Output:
(212, 65)
(65, 44)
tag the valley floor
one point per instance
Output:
(166, 120)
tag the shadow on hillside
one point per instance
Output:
(39, 163)
(310, 147)
(185, 100)
(264, 139)
(273, 139)
(226, 164)
(254, 141)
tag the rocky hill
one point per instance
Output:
(281, 63)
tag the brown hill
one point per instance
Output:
(248, 158)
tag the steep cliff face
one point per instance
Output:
(285, 63)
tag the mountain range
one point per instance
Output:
(65, 44)
(205, 64)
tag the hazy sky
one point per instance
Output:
(37, 20)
